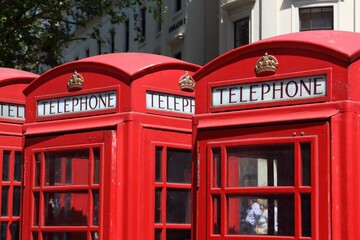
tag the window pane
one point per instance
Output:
(317, 18)
(249, 215)
(158, 164)
(17, 167)
(158, 205)
(157, 234)
(36, 208)
(96, 208)
(62, 168)
(35, 236)
(6, 163)
(3, 230)
(305, 161)
(4, 201)
(178, 166)
(216, 165)
(37, 169)
(16, 201)
(178, 206)
(306, 215)
(241, 32)
(178, 234)
(249, 166)
(216, 215)
(65, 235)
(15, 231)
(95, 236)
(66, 209)
(96, 152)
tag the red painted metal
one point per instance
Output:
(127, 178)
(334, 164)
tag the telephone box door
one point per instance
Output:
(266, 181)
(67, 186)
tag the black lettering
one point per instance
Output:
(287, 89)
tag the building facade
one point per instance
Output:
(198, 31)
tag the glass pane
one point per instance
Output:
(4, 201)
(178, 206)
(178, 234)
(36, 208)
(158, 164)
(62, 168)
(268, 165)
(305, 161)
(6, 164)
(35, 236)
(241, 29)
(16, 201)
(37, 169)
(17, 167)
(316, 18)
(157, 234)
(216, 165)
(305, 18)
(306, 215)
(15, 231)
(67, 209)
(96, 165)
(96, 208)
(65, 236)
(178, 166)
(327, 16)
(216, 215)
(251, 215)
(158, 205)
(3, 230)
(95, 236)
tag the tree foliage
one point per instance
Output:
(33, 33)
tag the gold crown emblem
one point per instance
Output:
(266, 65)
(187, 83)
(75, 82)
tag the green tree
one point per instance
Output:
(34, 32)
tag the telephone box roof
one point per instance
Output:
(128, 65)
(342, 45)
(10, 76)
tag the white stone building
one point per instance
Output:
(199, 30)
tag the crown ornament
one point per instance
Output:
(266, 65)
(75, 82)
(187, 83)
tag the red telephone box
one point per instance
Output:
(107, 149)
(277, 133)
(12, 116)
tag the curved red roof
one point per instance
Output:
(342, 45)
(10, 75)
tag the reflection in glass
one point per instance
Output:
(177, 234)
(178, 206)
(15, 230)
(157, 234)
(178, 166)
(3, 230)
(216, 167)
(305, 160)
(158, 205)
(37, 169)
(66, 209)
(306, 215)
(158, 161)
(36, 208)
(61, 168)
(16, 201)
(64, 235)
(216, 215)
(17, 167)
(271, 165)
(5, 167)
(96, 208)
(251, 215)
(35, 236)
(96, 179)
(4, 201)
(95, 236)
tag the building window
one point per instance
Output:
(172, 193)
(127, 36)
(177, 5)
(143, 23)
(318, 18)
(241, 32)
(112, 40)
